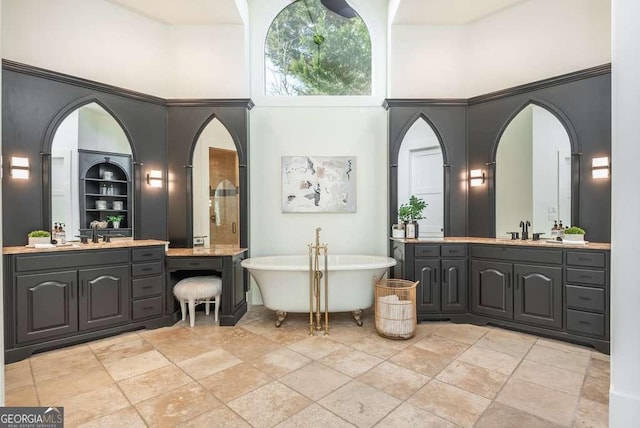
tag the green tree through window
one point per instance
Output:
(313, 51)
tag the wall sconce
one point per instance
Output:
(600, 167)
(19, 167)
(476, 177)
(154, 178)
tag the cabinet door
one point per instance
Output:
(454, 285)
(47, 305)
(104, 297)
(428, 291)
(491, 292)
(537, 295)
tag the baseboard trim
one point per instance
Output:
(624, 410)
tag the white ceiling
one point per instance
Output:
(409, 12)
(448, 12)
(186, 12)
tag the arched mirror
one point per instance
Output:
(216, 197)
(420, 173)
(533, 173)
(91, 173)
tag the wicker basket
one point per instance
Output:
(395, 308)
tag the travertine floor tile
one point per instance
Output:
(91, 405)
(360, 404)
(483, 382)
(541, 401)
(155, 382)
(280, 362)
(314, 416)
(110, 341)
(316, 347)
(599, 368)
(449, 402)
(116, 350)
(285, 336)
(135, 365)
(394, 380)
(176, 406)
(441, 345)
(596, 389)
(380, 347)
(231, 383)
(186, 348)
(349, 333)
(465, 333)
(549, 376)
(407, 415)
(269, 405)
(351, 361)
(17, 375)
(591, 414)
(491, 360)
(564, 346)
(250, 348)
(506, 342)
(574, 361)
(500, 415)
(127, 417)
(315, 380)
(421, 361)
(61, 362)
(208, 363)
(21, 396)
(220, 417)
(166, 334)
(59, 388)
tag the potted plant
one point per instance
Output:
(115, 220)
(39, 237)
(414, 212)
(574, 234)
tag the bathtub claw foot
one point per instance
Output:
(280, 316)
(357, 315)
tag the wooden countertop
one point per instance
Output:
(216, 250)
(516, 242)
(77, 246)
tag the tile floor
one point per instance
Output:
(253, 374)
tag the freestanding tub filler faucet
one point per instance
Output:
(315, 277)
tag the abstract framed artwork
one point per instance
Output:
(314, 184)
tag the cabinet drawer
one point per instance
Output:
(593, 259)
(194, 263)
(453, 250)
(145, 287)
(588, 298)
(144, 254)
(529, 255)
(426, 251)
(147, 308)
(585, 322)
(70, 259)
(142, 269)
(585, 276)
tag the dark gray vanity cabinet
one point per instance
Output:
(58, 298)
(520, 291)
(441, 271)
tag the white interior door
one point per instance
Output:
(426, 181)
(64, 192)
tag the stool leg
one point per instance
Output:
(183, 309)
(207, 307)
(217, 303)
(192, 312)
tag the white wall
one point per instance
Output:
(94, 39)
(514, 186)
(527, 42)
(2, 403)
(98, 130)
(339, 131)
(207, 62)
(624, 400)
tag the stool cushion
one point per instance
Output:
(198, 287)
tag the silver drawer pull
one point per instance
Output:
(585, 276)
(147, 255)
(146, 269)
(585, 322)
(146, 287)
(584, 298)
(585, 259)
(147, 308)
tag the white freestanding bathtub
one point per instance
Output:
(284, 281)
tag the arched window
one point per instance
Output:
(318, 47)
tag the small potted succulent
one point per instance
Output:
(115, 220)
(574, 234)
(39, 237)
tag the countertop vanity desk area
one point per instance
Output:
(558, 290)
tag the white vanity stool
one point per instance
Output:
(196, 290)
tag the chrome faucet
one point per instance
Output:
(525, 229)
